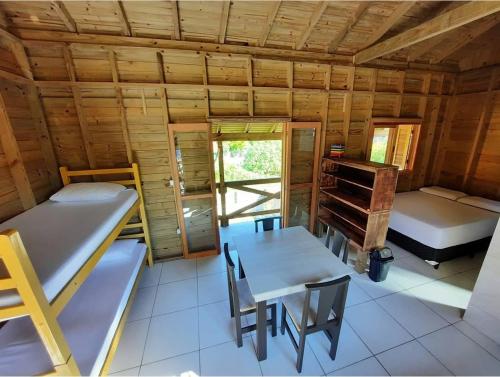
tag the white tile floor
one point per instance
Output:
(409, 325)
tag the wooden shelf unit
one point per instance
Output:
(356, 197)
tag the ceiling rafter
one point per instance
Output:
(399, 12)
(313, 20)
(269, 24)
(226, 5)
(352, 21)
(64, 16)
(176, 20)
(422, 48)
(122, 16)
(465, 39)
(451, 20)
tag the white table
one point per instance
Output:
(278, 263)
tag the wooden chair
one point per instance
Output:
(241, 301)
(339, 243)
(268, 223)
(320, 308)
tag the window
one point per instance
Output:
(393, 142)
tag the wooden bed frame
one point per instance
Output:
(24, 279)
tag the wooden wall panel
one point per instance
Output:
(127, 95)
(470, 154)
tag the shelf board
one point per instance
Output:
(346, 217)
(351, 180)
(350, 200)
(349, 233)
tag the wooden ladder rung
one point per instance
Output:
(127, 236)
(132, 226)
(7, 283)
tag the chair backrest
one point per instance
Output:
(231, 277)
(332, 296)
(339, 244)
(267, 223)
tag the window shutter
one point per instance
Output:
(402, 146)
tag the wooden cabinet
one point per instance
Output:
(356, 197)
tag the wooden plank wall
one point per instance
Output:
(107, 105)
(470, 153)
(28, 175)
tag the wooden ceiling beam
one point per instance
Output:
(353, 20)
(226, 5)
(64, 15)
(424, 47)
(122, 16)
(464, 39)
(399, 12)
(451, 20)
(313, 20)
(32, 37)
(176, 20)
(269, 24)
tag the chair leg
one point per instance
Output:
(283, 319)
(328, 235)
(274, 320)
(300, 350)
(239, 332)
(334, 342)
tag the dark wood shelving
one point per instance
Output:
(356, 198)
(346, 216)
(352, 201)
(352, 180)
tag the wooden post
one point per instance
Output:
(77, 97)
(14, 159)
(119, 98)
(224, 221)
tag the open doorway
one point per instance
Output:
(248, 174)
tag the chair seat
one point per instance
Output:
(295, 305)
(246, 299)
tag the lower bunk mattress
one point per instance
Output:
(89, 321)
(437, 228)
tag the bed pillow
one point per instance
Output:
(477, 201)
(443, 192)
(88, 191)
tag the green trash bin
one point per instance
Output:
(380, 263)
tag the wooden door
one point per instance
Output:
(301, 146)
(191, 154)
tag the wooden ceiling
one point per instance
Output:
(345, 28)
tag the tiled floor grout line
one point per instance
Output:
(430, 353)
(479, 344)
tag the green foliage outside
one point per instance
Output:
(378, 151)
(244, 160)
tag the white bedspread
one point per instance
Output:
(89, 321)
(60, 237)
(438, 222)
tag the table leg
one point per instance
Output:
(261, 331)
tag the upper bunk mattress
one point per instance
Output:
(60, 237)
(438, 222)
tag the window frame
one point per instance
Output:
(393, 125)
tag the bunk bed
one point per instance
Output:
(68, 275)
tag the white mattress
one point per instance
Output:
(89, 321)
(60, 237)
(438, 222)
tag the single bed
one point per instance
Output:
(438, 229)
(62, 236)
(89, 321)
